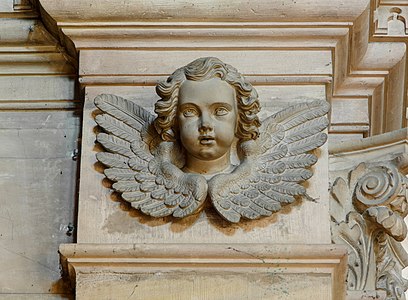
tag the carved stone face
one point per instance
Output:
(207, 119)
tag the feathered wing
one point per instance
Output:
(141, 165)
(274, 166)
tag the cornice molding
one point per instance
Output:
(223, 10)
(379, 141)
(31, 57)
(391, 146)
(341, 27)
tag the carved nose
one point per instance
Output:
(206, 124)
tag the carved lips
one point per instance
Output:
(206, 139)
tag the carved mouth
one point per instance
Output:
(206, 140)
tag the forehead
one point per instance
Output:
(211, 90)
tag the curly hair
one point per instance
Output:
(199, 70)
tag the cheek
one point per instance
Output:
(187, 129)
(226, 130)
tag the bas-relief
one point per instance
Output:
(368, 208)
(208, 145)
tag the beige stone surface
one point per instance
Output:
(355, 70)
(368, 190)
(53, 88)
(39, 130)
(214, 284)
(137, 62)
(31, 296)
(6, 6)
(37, 184)
(117, 223)
(346, 154)
(213, 271)
(302, 10)
(365, 83)
(366, 295)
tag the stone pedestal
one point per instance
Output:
(206, 271)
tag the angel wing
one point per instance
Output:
(141, 164)
(272, 167)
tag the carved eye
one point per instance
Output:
(221, 111)
(190, 112)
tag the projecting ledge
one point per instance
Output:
(224, 271)
(223, 10)
(390, 146)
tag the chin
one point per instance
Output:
(208, 154)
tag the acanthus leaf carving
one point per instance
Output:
(368, 210)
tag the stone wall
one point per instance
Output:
(351, 53)
(39, 143)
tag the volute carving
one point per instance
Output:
(170, 164)
(368, 210)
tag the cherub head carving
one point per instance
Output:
(207, 104)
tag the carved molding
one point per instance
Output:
(368, 207)
(223, 10)
(90, 267)
(380, 148)
(22, 5)
(31, 57)
(356, 79)
(390, 18)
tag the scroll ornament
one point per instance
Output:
(368, 210)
